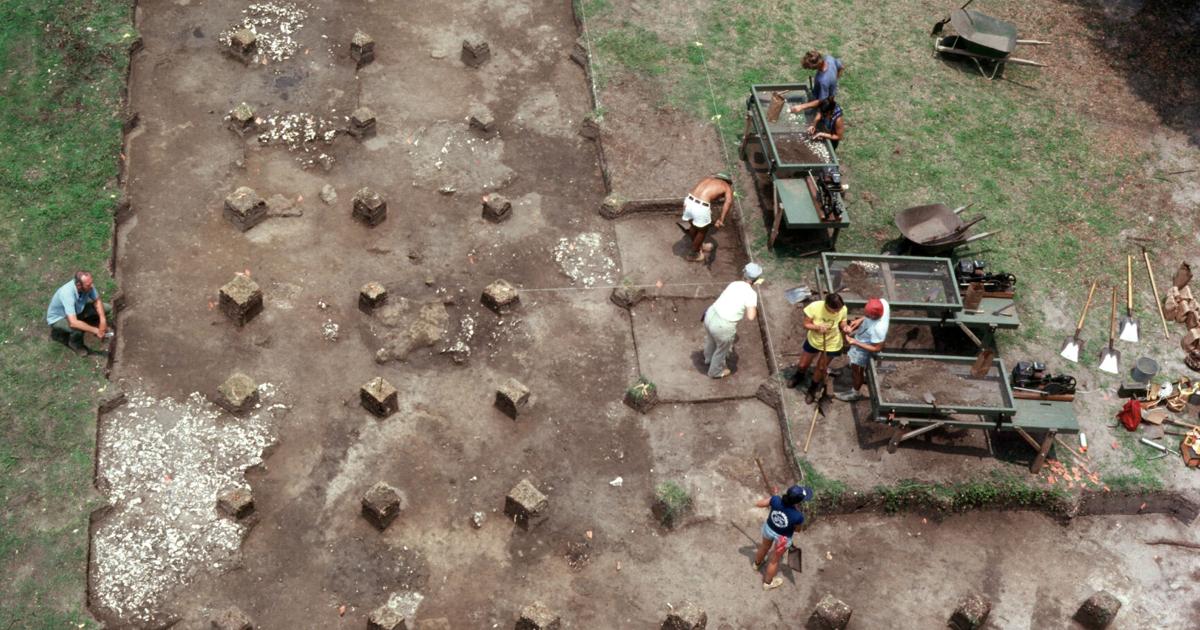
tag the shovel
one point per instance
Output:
(1070, 349)
(1110, 359)
(1129, 325)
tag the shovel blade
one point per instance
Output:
(1129, 330)
(983, 363)
(1110, 361)
(1070, 349)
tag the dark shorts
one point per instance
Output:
(835, 353)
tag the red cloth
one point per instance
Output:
(1131, 414)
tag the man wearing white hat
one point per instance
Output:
(738, 301)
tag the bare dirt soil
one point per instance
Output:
(307, 557)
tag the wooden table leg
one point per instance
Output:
(776, 219)
(1047, 442)
(895, 441)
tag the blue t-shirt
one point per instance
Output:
(67, 300)
(826, 81)
(872, 331)
(783, 519)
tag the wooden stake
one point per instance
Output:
(1157, 299)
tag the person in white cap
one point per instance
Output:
(738, 301)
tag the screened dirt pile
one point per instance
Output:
(950, 385)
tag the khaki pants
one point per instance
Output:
(719, 342)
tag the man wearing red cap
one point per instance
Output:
(866, 338)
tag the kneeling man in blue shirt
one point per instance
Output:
(76, 309)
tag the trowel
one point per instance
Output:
(1110, 359)
(1129, 325)
(1070, 349)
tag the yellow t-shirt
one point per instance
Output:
(821, 315)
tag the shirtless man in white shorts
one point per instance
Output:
(697, 210)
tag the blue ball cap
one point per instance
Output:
(796, 494)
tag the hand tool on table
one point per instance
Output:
(1129, 325)
(1157, 298)
(1070, 349)
(1110, 359)
(983, 361)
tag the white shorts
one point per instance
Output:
(696, 211)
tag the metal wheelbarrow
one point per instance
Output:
(936, 228)
(982, 39)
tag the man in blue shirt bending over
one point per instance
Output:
(778, 529)
(76, 309)
(825, 82)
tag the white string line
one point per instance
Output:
(712, 95)
(587, 38)
(631, 286)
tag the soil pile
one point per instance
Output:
(794, 149)
(909, 381)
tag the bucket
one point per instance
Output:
(1144, 369)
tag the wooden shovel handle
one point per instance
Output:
(1083, 315)
(1129, 285)
(1112, 318)
(1157, 299)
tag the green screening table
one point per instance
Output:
(1047, 417)
(795, 209)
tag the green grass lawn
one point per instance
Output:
(919, 130)
(63, 73)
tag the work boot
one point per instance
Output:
(814, 392)
(78, 348)
(850, 396)
(798, 378)
(696, 257)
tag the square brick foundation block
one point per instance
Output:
(379, 397)
(388, 618)
(475, 52)
(481, 122)
(238, 394)
(525, 502)
(362, 123)
(241, 299)
(512, 397)
(686, 616)
(538, 616)
(971, 613)
(1098, 611)
(381, 505)
(241, 119)
(500, 296)
(243, 44)
(369, 207)
(371, 296)
(231, 619)
(236, 503)
(245, 209)
(831, 613)
(497, 208)
(362, 49)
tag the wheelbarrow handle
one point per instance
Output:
(1033, 42)
(959, 209)
(1025, 62)
(980, 236)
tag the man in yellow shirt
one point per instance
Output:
(825, 321)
